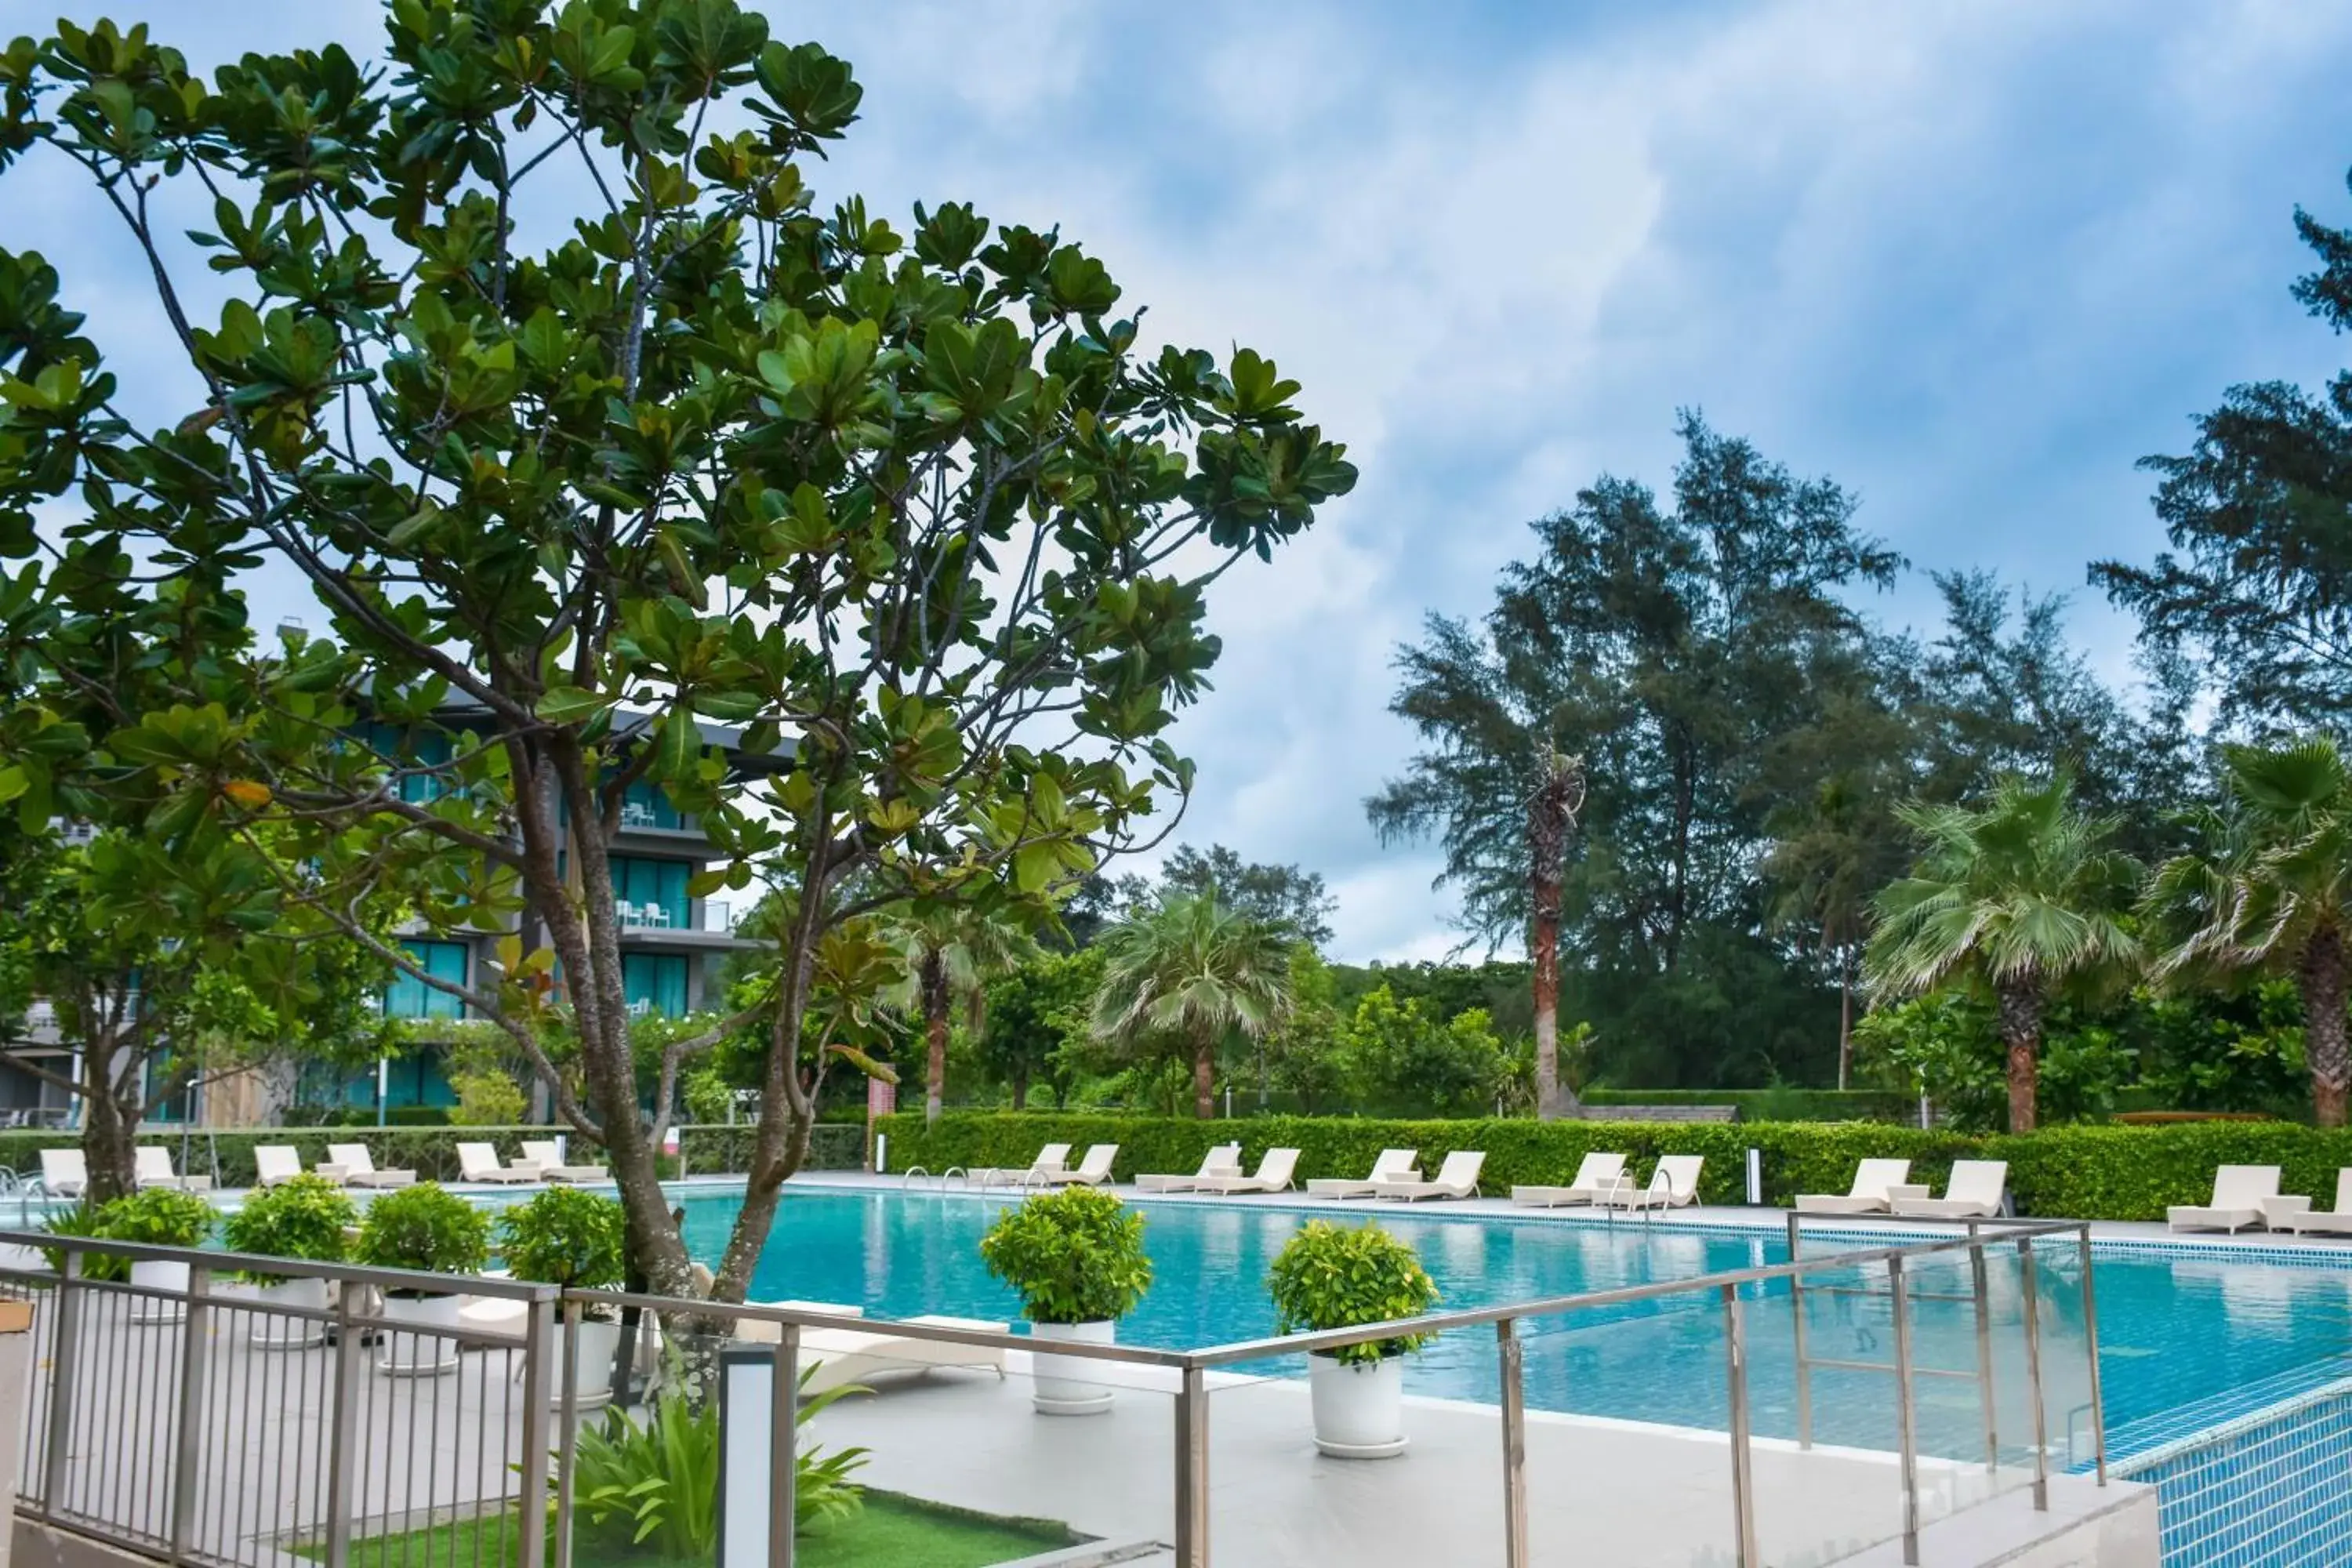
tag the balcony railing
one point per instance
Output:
(714, 917)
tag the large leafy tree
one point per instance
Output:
(2017, 896)
(1280, 894)
(2258, 511)
(1189, 973)
(911, 512)
(2269, 887)
(950, 953)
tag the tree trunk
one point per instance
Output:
(934, 978)
(1204, 1075)
(2020, 1005)
(2322, 979)
(1551, 815)
(109, 1138)
(1846, 1016)
(1019, 1092)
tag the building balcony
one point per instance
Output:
(707, 924)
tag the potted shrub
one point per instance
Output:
(307, 1219)
(160, 1216)
(1346, 1276)
(436, 1232)
(578, 1240)
(1076, 1257)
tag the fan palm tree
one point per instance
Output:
(950, 953)
(1192, 970)
(2269, 888)
(2019, 895)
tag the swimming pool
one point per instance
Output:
(2188, 1337)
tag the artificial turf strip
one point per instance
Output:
(890, 1529)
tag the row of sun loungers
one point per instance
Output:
(65, 1173)
(2246, 1197)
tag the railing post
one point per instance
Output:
(2032, 1291)
(538, 1352)
(1743, 1485)
(567, 1435)
(1511, 1355)
(1192, 1470)
(784, 1447)
(187, 1448)
(1797, 1318)
(64, 1358)
(344, 1433)
(1976, 1275)
(2091, 1350)
(1906, 1419)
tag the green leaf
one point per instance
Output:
(570, 705)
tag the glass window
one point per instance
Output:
(412, 748)
(660, 884)
(647, 805)
(655, 983)
(409, 997)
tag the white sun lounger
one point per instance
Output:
(358, 1167)
(1596, 1176)
(1274, 1176)
(552, 1165)
(1053, 1157)
(1673, 1185)
(857, 1355)
(479, 1162)
(153, 1169)
(1975, 1192)
(1224, 1160)
(63, 1172)
(2297, 1215)
(1092, 1172)
(1457, 1178)
(2237, 1194)
(1394, 1165)
(1872, 1179)
(276, 1164)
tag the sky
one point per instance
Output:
(1972, 259)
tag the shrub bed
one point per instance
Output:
(1774, 1104)
(2073, 1172)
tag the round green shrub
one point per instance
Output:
(1347, 1276)
(1076, 1256)
(83, 1219)
(568, 1238)
(307, 1219)
(159, 1216)
(424, 1228)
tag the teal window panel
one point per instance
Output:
(409, 997)
(640, 881)
(657, 981)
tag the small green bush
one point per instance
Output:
(568, 1238)
(306, 1219)
(84, 1219)
(1347, 1277)
(159, 1216)
(1076, 1256)
(424, 1228)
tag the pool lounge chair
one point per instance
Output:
(1274, 1176)
(63, 1172)
(1975, 1192)
(552, 1165)
(1224, 1160)
(2237, 1194)
(1457, 1178)
(1872, 1179)
(1596, 1177)
(1092, 1172)
(845, 1356)
(153, 1169)
(1053, 1157)
(1394, 1165)
(479, 1162)
(1673, 1185)
(358, 1167)
(2297, 1215)
(277, 1163)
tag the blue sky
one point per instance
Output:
(1972, 259)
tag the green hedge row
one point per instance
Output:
(2075, 1173)
(226, 1154)
(1774, 1104)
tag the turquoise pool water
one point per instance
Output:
(2186, 1339)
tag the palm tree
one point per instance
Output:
(950, 953)
(2269, 888)
(1192, 970)
(1552, 806)
(2019, 895)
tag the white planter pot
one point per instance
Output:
(417, 1355)
(1359, 1408)
(270, 1332)
(1065, 1385)
(599, 1343)
(158, 1277)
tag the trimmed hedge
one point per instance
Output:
(226, 1154)
(2075, 1173)
(1775, 1104)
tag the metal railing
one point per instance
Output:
(169, 1418)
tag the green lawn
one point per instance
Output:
(898, 1531)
